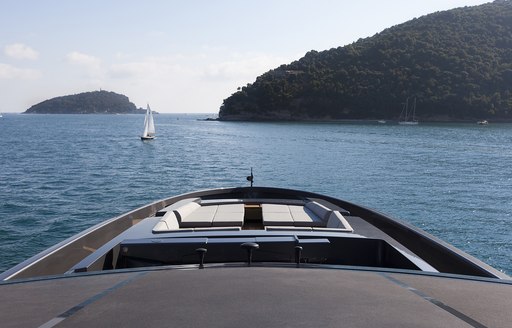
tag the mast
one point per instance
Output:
(414, 110)
(404, 115)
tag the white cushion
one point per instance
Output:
(304, 217)
(186, 209)
(160, 226)
(201, 217)
(231, 208)
(275, 214)
(168, 222)
(179, 203)
(319, 209)
(171, 220)
(280, 219)
(229, 215)
(274, 208)
(336, 220)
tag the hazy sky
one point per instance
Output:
(181, 56)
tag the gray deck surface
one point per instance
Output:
(256, 297)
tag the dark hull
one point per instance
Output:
(62, 257)
(385, 274)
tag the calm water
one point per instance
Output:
(62, 173)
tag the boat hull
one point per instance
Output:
(64, 256)
(75, 284)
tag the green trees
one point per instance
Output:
(457, 63)
(95, 102)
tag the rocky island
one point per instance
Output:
(456, 63)
(95, 102)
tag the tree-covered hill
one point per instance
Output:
(95, 102)
(457, 63)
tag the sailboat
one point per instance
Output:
(149, 126)
(407, 117)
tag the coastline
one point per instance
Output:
(355, 121)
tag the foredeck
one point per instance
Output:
(278, 225)
(306, 230)
(256, 296)
(254, 257)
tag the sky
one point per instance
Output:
(178, 56)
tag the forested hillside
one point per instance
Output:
(457, 63)
(95, 102)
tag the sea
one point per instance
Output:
(60, 174)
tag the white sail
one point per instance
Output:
(149, 125)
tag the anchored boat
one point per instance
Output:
(408, 116)
(254, 257)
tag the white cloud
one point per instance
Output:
(11, 72)
(79, 58)
(91, 64)
(149, 68)
(167, 81)
(243, 66)
(20, 51)
(132, 69)
(200, 66)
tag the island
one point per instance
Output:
(456, 64)
(94, 102)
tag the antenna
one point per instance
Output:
(251, 178)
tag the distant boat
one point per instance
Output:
(408, 116)
(149, 126)
(484, 122)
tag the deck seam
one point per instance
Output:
(68, 313)
(436, 302)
